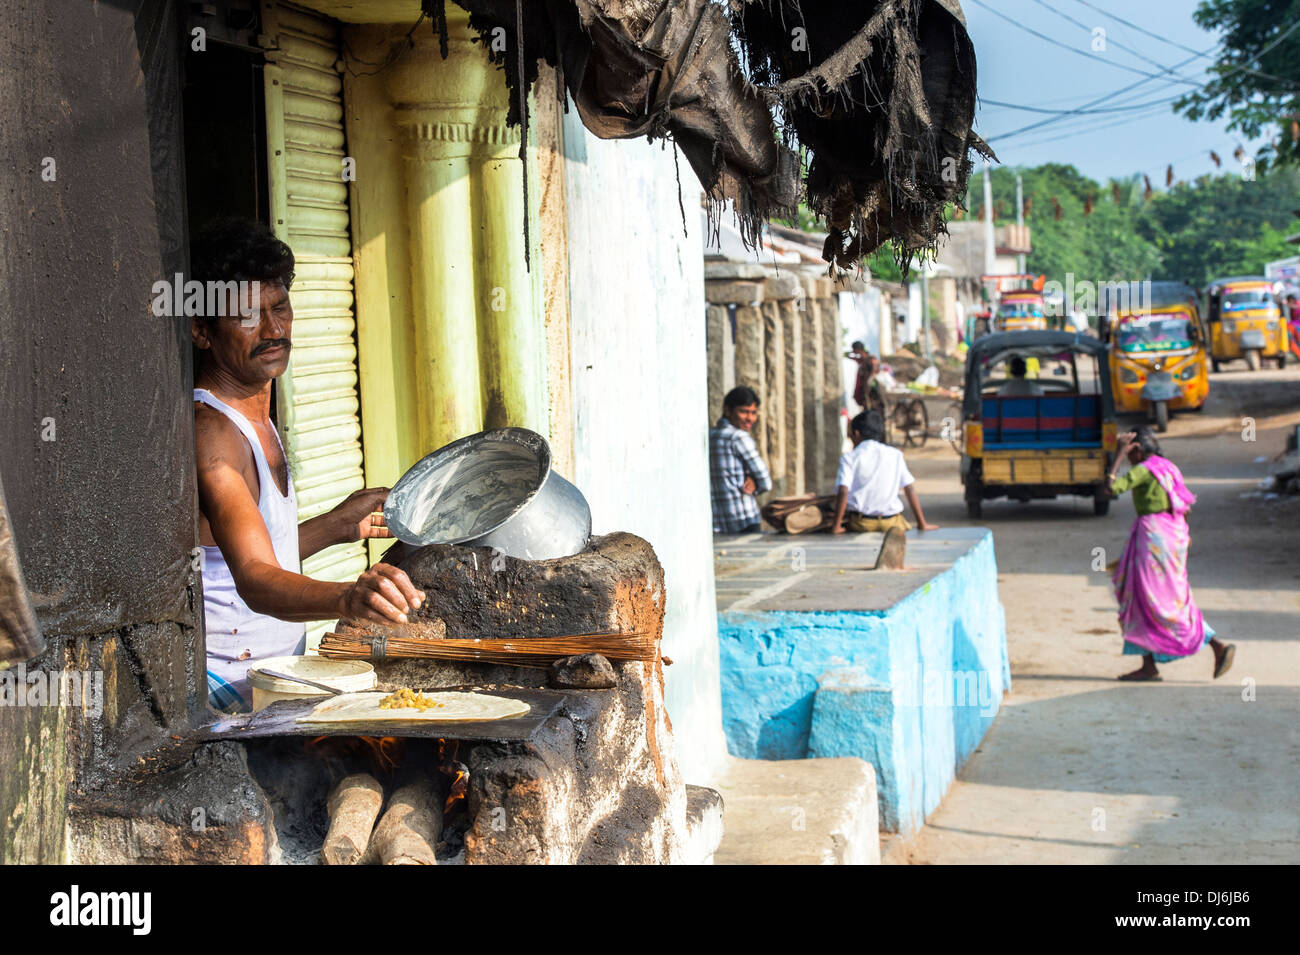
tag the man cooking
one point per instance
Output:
(254, 600)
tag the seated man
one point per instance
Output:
(869, 481)
(1018, 386)
(736, 473)
(254, 598)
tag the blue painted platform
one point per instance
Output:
(822, 656)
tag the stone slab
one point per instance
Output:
(799, 812)
(741, 293)
(825, 572)
(734, 270)
(782, 285)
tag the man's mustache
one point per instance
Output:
(272, 343)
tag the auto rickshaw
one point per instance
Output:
(1030, 438)
(1246, 322)
(1021, 312)
(1157, 358)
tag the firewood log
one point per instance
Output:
(409, 828)
(353, 807)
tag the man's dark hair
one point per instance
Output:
(858, 346)
(869, 425)
(1146, 442)
(240, 250)
(739, 397)
(1017, 367)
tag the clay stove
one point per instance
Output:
(589, 776)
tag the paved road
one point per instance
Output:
(1081, 769)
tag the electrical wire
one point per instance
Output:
(1080, 112)
(1076, 50)
(1052, 120)
(1173, 43)
(1115, 43)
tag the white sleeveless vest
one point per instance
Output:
(236, 636)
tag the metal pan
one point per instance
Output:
(491, 489)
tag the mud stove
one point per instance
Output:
(588, 775)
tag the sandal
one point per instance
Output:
(1138, 676)
(1224, 663)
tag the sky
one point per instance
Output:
(1018, 67)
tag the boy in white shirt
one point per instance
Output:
(870, 478)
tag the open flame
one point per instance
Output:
(457, 771)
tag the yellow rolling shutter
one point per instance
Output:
(318, 403)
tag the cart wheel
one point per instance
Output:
(1162, 416)
(1101, 504)
(954, 428)
(919, 432)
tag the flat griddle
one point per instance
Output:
(280, 719)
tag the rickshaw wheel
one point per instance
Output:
(1162, 416)
(1100, 505)
(1214, 365)
(1252, 360)
(974, 510)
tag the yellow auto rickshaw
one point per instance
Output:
(1158, 361)
(1022, 312)
(1245, 322)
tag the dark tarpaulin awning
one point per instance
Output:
(874, 102)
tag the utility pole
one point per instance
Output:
(925, 309)
(990, 248)
(1020, 218)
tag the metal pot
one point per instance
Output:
(491, 489)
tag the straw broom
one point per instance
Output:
(534, 651)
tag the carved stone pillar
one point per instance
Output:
(478, 332)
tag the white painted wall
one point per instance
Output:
(636, 320)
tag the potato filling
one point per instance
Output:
(408, 699)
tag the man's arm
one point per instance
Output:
(353, 519)
(753, 462)
(909, 493)
(841, 505)
(223, 471)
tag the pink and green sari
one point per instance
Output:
(1156, 611)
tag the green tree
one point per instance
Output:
(1222, 225)
(1256, 79)
(1099, 246)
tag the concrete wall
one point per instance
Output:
(639, 382)
(911, 689)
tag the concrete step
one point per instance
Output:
(703, 824)
(798, 812)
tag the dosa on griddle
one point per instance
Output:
(456, 708)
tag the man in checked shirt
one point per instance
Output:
(736, 473)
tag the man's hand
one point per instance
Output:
(837, 528)
(383, 593)
(360, 515)
(749, 487)
(925, 526)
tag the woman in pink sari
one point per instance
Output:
(1157, 614)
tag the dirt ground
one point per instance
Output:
(1079, 768)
